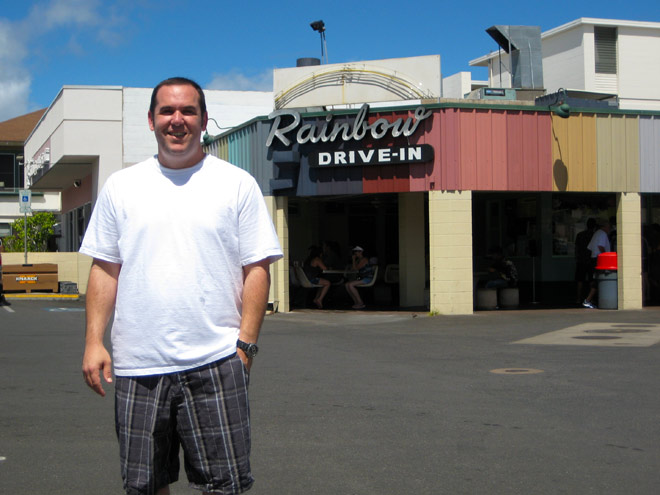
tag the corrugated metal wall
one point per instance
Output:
(403, 177)
(477, 149)
(246, 149)
(618, 153)
(492, 150)
(649, 153)
(574, 153)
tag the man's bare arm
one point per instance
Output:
(100, 301)
(255, 299)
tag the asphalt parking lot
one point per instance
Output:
(502, 402)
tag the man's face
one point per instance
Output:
(178, 124)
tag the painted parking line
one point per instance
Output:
(8, 309)
(65, 310)
(601, 334)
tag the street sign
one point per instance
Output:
(25, 200)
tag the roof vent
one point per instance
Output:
(308, 61)
(523, 44)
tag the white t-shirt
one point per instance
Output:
(599, 238)
(182, 238)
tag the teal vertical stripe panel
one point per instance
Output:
(239, 150)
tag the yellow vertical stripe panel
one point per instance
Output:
(618, 153)
(574, 150)
(589, 153)
(574, 153)
(604, 146)
(559, 153)
(223, 148)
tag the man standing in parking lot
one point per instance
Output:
(182, 244)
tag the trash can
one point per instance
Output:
(606, 277)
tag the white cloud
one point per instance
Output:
(14, 79)
(11, 46)
(17, 38)
(14, 95)
(66, 13)
(235, 80)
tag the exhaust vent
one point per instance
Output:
(523, 44)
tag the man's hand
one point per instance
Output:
(256, 282)
(101, 294)
(246, 360)
(96, 362)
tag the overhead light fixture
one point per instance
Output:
(320, 27)
(561, 108)
(207, 138)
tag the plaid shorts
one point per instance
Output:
(204, 410)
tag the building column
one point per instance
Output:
(412, 266)
(629, 250)
(450, 252)
(279, 271)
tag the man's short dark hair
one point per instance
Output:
(179, 81)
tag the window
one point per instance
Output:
(605, 48)
(11, 172)
(74, 224)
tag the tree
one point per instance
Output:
(39, 230)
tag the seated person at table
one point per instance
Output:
(502, 271)
(313, 268)
(365, 271)
(330, 254)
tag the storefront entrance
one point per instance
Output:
(341, 223)
(651, 249)
(537, 232)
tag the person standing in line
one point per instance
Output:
(600, 243)
(182, 244)
(583, 268)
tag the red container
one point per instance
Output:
(606, 261)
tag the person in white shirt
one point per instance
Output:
(600, 243)
(182, 244)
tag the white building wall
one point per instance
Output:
(561, 55)
(457, 85)
(139, 141)
(76, 123)
(371, 81)
(44, 128)
(499, 75)
(639, 68)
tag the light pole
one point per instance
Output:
(320, 27)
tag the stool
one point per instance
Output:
(486, 298)
(509, 297)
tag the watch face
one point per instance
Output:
(251, 350)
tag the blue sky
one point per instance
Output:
(236, 45)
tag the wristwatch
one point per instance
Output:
(249, 349)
